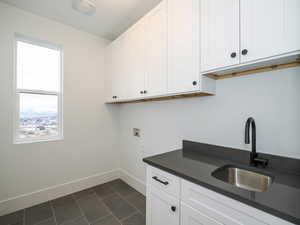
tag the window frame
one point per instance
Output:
(17, 92)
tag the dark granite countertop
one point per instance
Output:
(196, 161)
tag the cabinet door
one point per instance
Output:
(156, 50)
(190, 216)
(162, 208)
(134, 58)
(292, 25)
(109, 59)
(269, 28)
(115, 70)
(219, 34)
(183, 45)
(122, 69)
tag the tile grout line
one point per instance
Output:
(43, 221)
(101, 200)
(87, 220)
(93, 192)
(50, 218)
(124, 198)
(121, 220)
(53, 212)
(24, 217)
(72, 220)
(127, 217)
(134, 213)
(137, 211)
(80, 209)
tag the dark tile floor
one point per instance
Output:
(113, 203)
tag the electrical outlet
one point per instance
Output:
(136, 132)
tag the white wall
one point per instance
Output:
(88, 148)
(271, 98)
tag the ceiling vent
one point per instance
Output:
(86, 7)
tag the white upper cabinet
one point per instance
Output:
(115, 71)
(109, 59)
(219, 33)
(269, 28)
(156, 50)
(262, 29)
(183, 45)
(134, 59)
(239, 32)
(169, 50)
(292, 25)
(159, 55)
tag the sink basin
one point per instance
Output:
(243, 178)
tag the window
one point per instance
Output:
(38, 91)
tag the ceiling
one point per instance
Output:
(110, 20)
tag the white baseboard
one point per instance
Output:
(27, 200)
(37, 197)
(134, 182)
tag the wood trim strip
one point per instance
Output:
(254, 71)
(193, 95)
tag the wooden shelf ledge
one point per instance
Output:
(254, 71)
(165, 98)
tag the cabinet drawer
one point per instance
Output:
(163, 181)
(223, 209)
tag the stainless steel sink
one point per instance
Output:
(243, 178)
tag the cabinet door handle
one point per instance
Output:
(141, 92)
(160, 181)
(194, 83)
(173, 208)
(145, 92)
(233, 55)
(244, 52)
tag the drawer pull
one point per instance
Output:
(173, 208)
(160, 181)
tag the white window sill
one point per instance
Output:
(38, 140)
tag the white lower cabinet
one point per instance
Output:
(190, 216)
(217, 207)
(162, 208)
(175, 201)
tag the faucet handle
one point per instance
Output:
(261, 161)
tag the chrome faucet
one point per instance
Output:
(254, 159)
